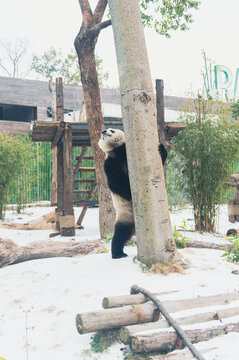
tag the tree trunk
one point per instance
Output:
(153, 228)
(11, 253)
(85, 47)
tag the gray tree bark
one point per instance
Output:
(153, 228)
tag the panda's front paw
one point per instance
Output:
(119, 255)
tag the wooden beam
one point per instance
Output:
(58, 135)
(69, 226)
(60, 185)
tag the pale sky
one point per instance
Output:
(177, 60)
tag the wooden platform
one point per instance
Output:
(50, 131)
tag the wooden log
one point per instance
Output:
(137, 314)
(45, 222)
(127, 332)
(172, 306)
(207, 245)
(180, 354)
(116, 317)
(123, 300)
(167, 340)
(11, 253)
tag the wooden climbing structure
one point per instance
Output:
(69, 179)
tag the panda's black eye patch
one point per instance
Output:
(112, 131)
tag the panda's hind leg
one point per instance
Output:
(123, 232)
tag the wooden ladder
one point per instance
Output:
(89, 192)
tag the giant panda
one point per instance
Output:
(112, 143)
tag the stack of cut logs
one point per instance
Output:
(144, 330)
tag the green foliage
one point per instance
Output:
(167, 15)
(232, 255)
(179, 238)
(103, 340)
(33, 181)
(13, 154)
(205, 151)
(173, 183)
(142, 266)
(53, 63)
(235, 109)
(108, 238)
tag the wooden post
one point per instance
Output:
(52, 90)
(60, 185)
(65, 222)
(160, 114)
(68, 223)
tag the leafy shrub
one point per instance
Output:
(232, 255)
(13, 156)
(205, 151)
(174, 180)
(179, 239)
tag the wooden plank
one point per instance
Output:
(15, 127)
(80, 133)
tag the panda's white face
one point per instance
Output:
(111, 139)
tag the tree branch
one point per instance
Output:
(86, 10)
(99, 11)
(9, 74)
(97, 28)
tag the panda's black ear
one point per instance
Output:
(163, 152)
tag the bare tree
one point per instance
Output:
(85, 47)
(13, 51)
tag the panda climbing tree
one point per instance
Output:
(112, 142)
(150, 207)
